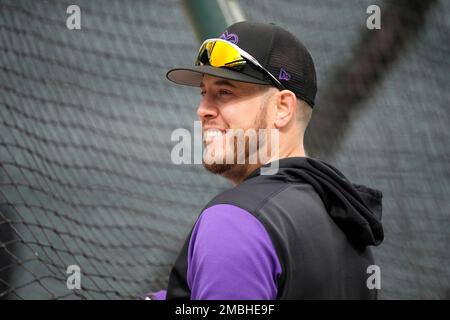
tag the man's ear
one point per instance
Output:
(285, 112)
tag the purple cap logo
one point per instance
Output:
(231, 37)
(283, 75)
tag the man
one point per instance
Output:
(300, 231)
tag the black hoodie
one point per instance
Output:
(320, 224)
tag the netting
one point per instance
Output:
(85, 138)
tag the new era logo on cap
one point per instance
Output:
(284, 75)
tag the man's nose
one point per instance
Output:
(206, 110)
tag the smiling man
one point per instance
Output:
(301, 232)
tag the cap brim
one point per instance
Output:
(192, 76)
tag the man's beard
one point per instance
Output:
(235, 170)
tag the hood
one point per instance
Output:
(356, 209)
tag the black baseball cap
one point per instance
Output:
(276, 49)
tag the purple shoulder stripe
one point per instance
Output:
(231, 256)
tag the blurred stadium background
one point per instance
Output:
(86, 118)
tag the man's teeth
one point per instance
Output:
(211, 133)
